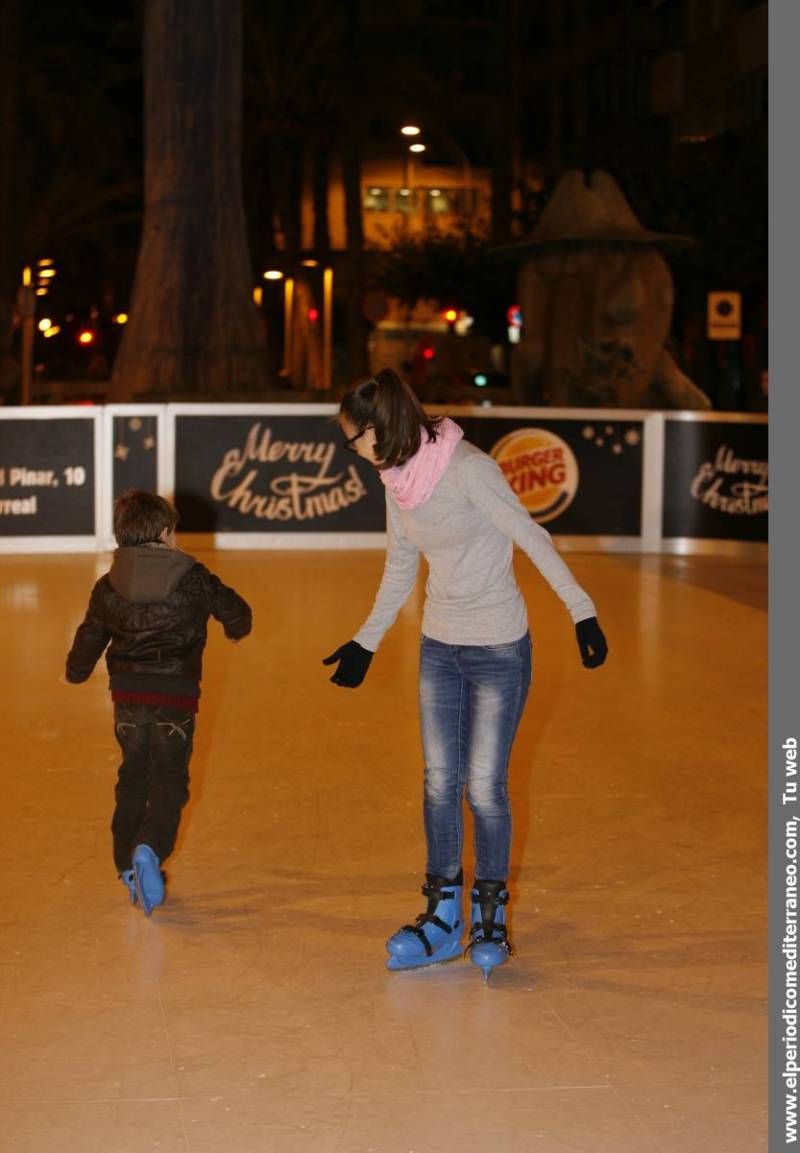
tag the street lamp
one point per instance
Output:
(408, 166)
(26, 307)
(452, 146)
(297, 293)
(327, 328)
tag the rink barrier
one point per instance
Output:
(277, 476)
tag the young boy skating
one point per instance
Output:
(151, 609)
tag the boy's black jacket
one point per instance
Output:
(153, 607)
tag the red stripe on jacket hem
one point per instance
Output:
(167, 700)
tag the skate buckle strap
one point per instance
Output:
(498, 935)
(489, 896)
(435, 894)
(439, 894)
(418, 929)
(501, 898)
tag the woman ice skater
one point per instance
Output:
(449, 501)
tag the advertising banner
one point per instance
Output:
(47, 477)
(134, 452)
(716, 482)
(577, 477)
(265, 473)
(268, 472)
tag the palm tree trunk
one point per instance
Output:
(194, 327)
(10, 231)
(506, 64)
(292, 197)
(320, 174)
(351, 173)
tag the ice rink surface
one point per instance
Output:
(253, 1014)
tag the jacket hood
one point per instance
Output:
(148, 572)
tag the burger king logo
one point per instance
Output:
(541, 469)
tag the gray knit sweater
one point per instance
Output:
(466, 532)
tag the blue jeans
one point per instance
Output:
(471, 701)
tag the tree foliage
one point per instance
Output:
(455, 269)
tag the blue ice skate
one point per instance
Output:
(489, 945)
(148, 878)
(435, 936)
(127, 877)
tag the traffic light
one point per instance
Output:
(86, 336)
(514, 322)
(313, 315)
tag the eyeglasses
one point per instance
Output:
(350, 443)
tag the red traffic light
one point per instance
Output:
(313, 315)
(428, 353)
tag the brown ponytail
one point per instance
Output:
(386, 403)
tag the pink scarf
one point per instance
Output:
(412, 483)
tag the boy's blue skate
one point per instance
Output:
(489, 945)
(435, 936)
(148, 878)
(128, 878)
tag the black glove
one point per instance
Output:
(591, 642)
(353, 664)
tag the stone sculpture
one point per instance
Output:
(596, 296)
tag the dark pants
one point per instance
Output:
(153, 780)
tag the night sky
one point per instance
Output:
(78, 106)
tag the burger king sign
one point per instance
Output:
(541, 469)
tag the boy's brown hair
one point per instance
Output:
(141, 517)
